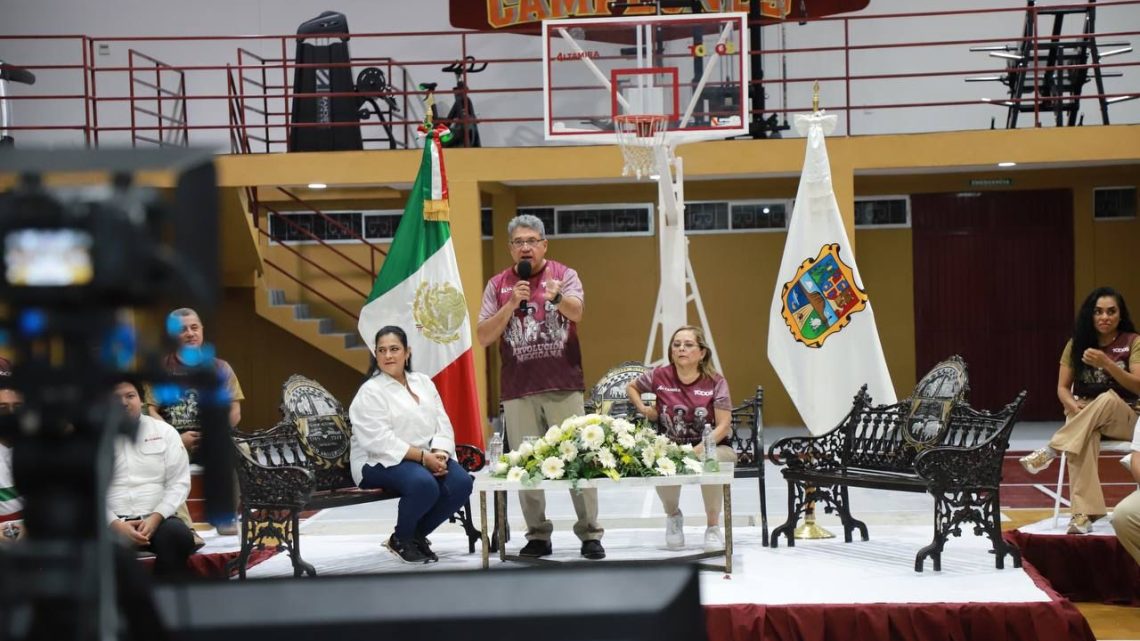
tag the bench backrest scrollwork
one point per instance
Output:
(889, 437)
(323, 428)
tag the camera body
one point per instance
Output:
(90, 246)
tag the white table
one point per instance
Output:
(485, 483)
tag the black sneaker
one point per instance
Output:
(593, 550)
(424, 546)
(406, 551)
(536, 548)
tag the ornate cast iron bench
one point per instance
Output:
(932, 442)
(302, 464)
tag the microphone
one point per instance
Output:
(523, 270)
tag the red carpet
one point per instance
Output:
(1092, 569)
(1055, 620)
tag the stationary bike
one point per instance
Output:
(461, 117)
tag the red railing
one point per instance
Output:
(172, 125)
(856, 58)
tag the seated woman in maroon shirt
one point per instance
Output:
(690, 393)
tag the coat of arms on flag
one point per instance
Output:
(821, 298)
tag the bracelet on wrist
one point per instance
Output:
(421, 457)
(557, 298)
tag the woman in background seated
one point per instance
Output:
(402, 441)
(689, 388)
(150, 479)
(1098, 386)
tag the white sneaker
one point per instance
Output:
(675, 531)
(714, 539)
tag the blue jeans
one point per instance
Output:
(426, 501)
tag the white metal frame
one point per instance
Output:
(562, 28)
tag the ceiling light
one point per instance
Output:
(318, 186)
(1007, 164)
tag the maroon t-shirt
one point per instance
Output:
(677, 402)
(1092, 382)
(539, 349)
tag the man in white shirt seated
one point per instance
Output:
(151, 478)
(1126, 515)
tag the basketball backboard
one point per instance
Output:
(692, 68)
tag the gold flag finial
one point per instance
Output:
(815, 97)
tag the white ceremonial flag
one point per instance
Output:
(822, 339)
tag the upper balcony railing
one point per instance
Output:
(882, 73)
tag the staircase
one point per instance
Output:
(321, 333)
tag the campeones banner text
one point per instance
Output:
(514, 14)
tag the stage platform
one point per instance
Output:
(823, 589)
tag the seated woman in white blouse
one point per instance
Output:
(402, 440)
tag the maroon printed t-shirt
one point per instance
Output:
(676, 400)
(539, 348)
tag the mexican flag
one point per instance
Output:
(418, 289)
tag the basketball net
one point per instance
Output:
(639, 136)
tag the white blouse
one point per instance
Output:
(386, 421)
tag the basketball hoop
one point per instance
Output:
(639, 136)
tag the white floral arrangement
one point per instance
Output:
(595, 446)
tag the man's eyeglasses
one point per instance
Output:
(519, 243)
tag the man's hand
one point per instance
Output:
(148, 525)
(553, 289)
(191, 439)
(128, 530)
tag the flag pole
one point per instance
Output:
(810, 529)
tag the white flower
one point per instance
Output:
(627, 441)
(553, 468)
(687, 448)
(593, 436)
(648, 456)
(525, 450)
(568, 450)
(500, 467)
(513, 457)
(515, 474)
(661, 442)
(606, 458)
(693, 465)
(541, 448)
(666, 467)
(554, 434)
(622, 426)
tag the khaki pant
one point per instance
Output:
(531, 416)
(1126, 522)
(712, 494)
(1107, 415)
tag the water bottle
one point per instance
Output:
(711, 464)
(494, 451)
